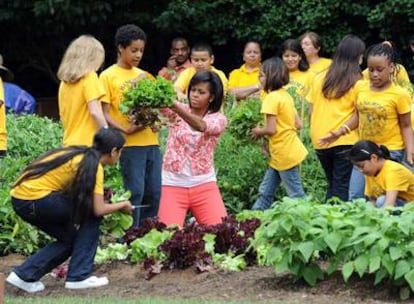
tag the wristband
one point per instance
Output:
(347, 128)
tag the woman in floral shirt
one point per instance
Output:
(188, 175)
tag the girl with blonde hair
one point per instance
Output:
(80, 91)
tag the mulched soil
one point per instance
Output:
(255, 284)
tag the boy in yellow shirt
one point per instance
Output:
(202, 59)
(141, 158)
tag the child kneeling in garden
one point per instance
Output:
(61, 193)
(387, 182)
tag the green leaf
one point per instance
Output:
(347, 270)
(379, 275)
(283, 264)
(210, 242)
(388, 264)
(333, 266)
(409, 277)
(374, 263)
(312, 273)
(274, 255)
(286, 224)
(361, 264)
(333, 240)
(401, 268)
(306, 249)
(395, 253)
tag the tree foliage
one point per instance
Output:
(37, 32)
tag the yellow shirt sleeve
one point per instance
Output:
(392, 177)
(223, 79)
(99, 185)
(183, 80)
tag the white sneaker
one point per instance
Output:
(26, 286)
(88, 283)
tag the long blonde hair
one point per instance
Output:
(85, 54)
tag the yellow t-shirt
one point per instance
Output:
(301, 81)
(78, 125)
(115, 80)
(378, 114)
(320, 66)
(330, 114)
(242, 77)
(183, 81)
(393, 176)
(3, 132)
(55, 180)
(286, 149)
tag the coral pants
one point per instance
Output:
(204, 201)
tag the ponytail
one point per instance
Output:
(80, 190)
(363, 150)
(83, 184)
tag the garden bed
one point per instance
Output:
(255, 284)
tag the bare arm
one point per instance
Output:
(132, 128)
(348, 126)
(95, 109)
(404, 121)
(195, 121)
(298, 122)
(244, 92)
(180, 93)
(268, 129)
(100, 208)
(391, 198)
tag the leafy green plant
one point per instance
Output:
(143, 98)
(28, 136)
(147, 246)
(243, 118)
(355, 238)
(240, 169)
(113, 252)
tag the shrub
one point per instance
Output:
(28, 136)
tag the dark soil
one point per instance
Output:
(255, 284)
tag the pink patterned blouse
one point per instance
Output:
(184, 144)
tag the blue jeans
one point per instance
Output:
(272, 180)
(380, 202)
(52, 214)
(337, 168)
(357, 181)
(141, 173)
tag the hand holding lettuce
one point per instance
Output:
(142, 101)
